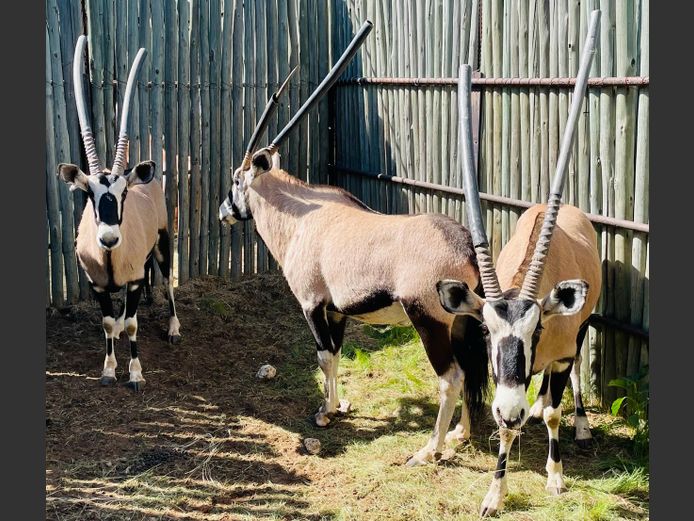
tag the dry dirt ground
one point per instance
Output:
(207, 440)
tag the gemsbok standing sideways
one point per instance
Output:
(118, 234)
(342, 259)
(524, 334)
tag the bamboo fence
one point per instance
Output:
(390, 137)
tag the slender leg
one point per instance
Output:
(552, 417)
(436, 339)
(337, 324)
(147, 283)
(582, 435)
(328, 360)
(543, 397)
(462, 430)
(111, 332)
(494, 499)
(134, 291)
(162, 252)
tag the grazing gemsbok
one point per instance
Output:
(524, 334)
(117, 234)
(342, 260)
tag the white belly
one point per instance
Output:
(393, 315)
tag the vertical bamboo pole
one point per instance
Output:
(52, 196)
(507, 114)
(237, 127)
(249, 79)
(215, 131)
(563, 94)
(195, 175)
(641, 180)
(226, 134)
(524, 103)
(486, 158)
(543, 19)
(156, 101)
(110, 79)
(553, 128)
(205, 134)
(260, 91)
(536, 101)
(497, 114)
(131, 35)
(171, 117)
(184, 111)
(143, 91)
(625, 114)
(607, 136)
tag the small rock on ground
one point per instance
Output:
(266, 372)
(312, 445)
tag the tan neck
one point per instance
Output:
(276, 207)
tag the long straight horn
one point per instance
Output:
(119, 161)
(490, 282)
(95, 165)
(270, 109)
(325, 85)
(534, 274)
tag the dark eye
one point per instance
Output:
(484, 328)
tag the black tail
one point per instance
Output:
(470, 349)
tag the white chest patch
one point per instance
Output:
(393, 315)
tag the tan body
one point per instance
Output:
(144, 214)
(330, 247)
(573, 254)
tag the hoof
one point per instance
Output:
(555, 491)
(174, 339)
(106, 381)
(321, 419)
(584, 444)
(136, 386)
(418, 459)
(487, 511)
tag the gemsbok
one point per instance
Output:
(342, 259)
(524, 334)
(118, 234)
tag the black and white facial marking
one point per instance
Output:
(235, 207)
(107, 192)
(513, 327)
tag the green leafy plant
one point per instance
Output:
(635, 406)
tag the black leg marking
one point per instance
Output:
(164, 249)
(318, 324)
(554, 450)
(544, 385)
(557, 384)
(147, 283)
(132, 300)
(337, 324)
(500, 466)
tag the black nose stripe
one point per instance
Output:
(108, 209)
(511, 360)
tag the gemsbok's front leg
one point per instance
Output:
(328, 359)
(436, 339)
(552, 416)
(494, 499)
(132, 299)
(112, 331)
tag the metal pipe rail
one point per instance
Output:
(497, 199)
(610, 81)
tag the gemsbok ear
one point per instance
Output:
(261, 162)
(141, 174)
(73, 176)
(567, 298)
(457, 298)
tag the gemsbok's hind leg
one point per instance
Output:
(132, 299)
(111, 332)
(436, 339)
(147, 283)
(328, 358)
(582, 434)
(162, 252)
